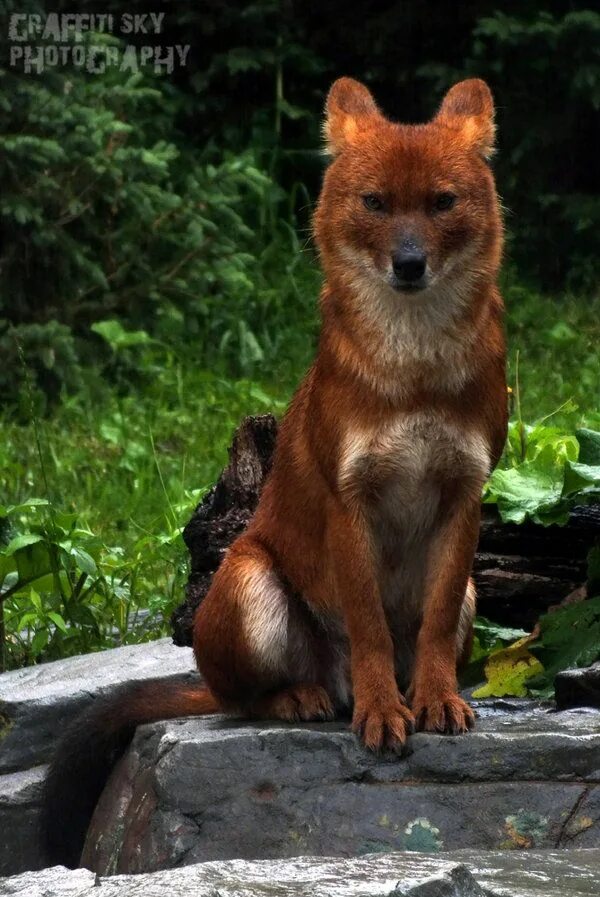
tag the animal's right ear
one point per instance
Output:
(348, 109)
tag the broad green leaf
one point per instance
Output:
(36, 601)
(528, 489)
(84, 561)
(58, 621)
(549, 472)
(28, 505)
(27, 619)
(39, 641)
(7, 565)
(490, 633)
(117, 337)
(568, 637)
(581, 477)
(33, 562)
(81, 614)
(20, 542)
(66, 521)
(553, 444)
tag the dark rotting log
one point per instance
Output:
(520, 571)
(224, 513)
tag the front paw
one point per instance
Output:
(383, 724)
(446, 713)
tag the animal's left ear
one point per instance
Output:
(469, 106)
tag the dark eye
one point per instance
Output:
(444, 201)
(373, 202)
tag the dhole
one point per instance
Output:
(350, 589)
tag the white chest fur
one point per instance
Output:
(396, 475)
(412, 448)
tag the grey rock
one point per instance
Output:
(463, 874)
(190, 791)
(20, 794)
(50, 882)
(37, 703)
(578, 688)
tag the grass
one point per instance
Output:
(129, 464)
(556, 339)
(130, 470)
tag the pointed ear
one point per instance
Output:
(348, 108)
(470, 107)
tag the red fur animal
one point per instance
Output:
(350, 588)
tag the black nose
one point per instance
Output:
(409, 264)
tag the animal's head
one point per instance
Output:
(411, 207)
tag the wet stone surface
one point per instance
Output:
(215, 789)
(463, 874)
(37, 703)
(20, 794)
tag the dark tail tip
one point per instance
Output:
(82, 763)
(91, 746)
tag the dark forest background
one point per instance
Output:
(152, 199)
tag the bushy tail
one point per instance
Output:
(91, 746)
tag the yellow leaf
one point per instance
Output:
(508, 670)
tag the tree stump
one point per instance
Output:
(224, 513)
(520, 571)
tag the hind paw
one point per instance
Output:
(295, 704)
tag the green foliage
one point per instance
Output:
(117, 216)
(66, 592)
(107, 213)
(568, 637)
(547, 473)
(490, 637)
(544, 473)
(52, 360)
(553, 350)
(115, 478)
(117, 337)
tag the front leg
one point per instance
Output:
(434, 690)
(381, 715)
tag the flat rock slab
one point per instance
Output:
(465, 874)
(20, 794)
(37, 703)
(207, 789)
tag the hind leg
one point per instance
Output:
(298, 702)
(253, 641)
